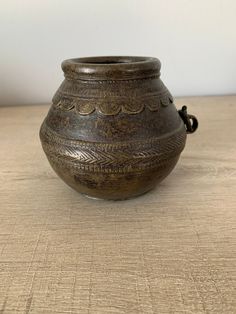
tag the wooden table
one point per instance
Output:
(172, 250)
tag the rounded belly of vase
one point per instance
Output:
(116, 170)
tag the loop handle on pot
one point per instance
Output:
(190, 121)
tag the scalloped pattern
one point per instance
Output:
(104, 106)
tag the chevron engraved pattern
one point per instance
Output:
(112, 157)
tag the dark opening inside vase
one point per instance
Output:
(113, 131)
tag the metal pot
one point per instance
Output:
(113, 131)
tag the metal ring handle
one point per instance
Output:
(190, 121)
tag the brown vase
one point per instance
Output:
(113, 131)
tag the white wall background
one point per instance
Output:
(194, 39)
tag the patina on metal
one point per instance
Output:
(113, 131)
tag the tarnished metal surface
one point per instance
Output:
(113, 130)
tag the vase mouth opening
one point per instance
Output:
(111, 68)
(110, 60)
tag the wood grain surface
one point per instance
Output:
(172, 250)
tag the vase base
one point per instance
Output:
(115, 199)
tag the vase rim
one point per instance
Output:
(111, 67)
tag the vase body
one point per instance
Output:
(112, 131)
